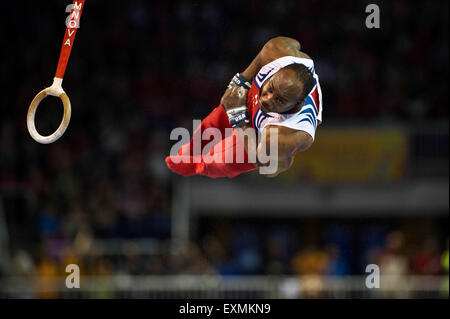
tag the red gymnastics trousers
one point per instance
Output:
(190, 162)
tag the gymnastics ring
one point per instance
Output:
(72, 24)
(54, 90)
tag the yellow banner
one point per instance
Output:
(352, 155)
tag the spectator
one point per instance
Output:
(393, 265)
(428, 259)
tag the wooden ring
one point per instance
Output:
(32, 112)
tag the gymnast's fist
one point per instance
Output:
(234, 96)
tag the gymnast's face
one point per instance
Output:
(281, 93)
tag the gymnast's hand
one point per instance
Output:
(234, 96)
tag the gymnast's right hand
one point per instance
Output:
(235, 96)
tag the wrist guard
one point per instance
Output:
(238, 116)
(239, 80)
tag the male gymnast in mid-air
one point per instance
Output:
(282, 104)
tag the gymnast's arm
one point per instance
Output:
(273, 49)
(289, 141)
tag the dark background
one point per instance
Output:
(139, 69)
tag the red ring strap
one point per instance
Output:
(69, 37)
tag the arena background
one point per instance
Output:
(373, 188)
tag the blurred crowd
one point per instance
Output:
(227, 250)
(139, 69)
